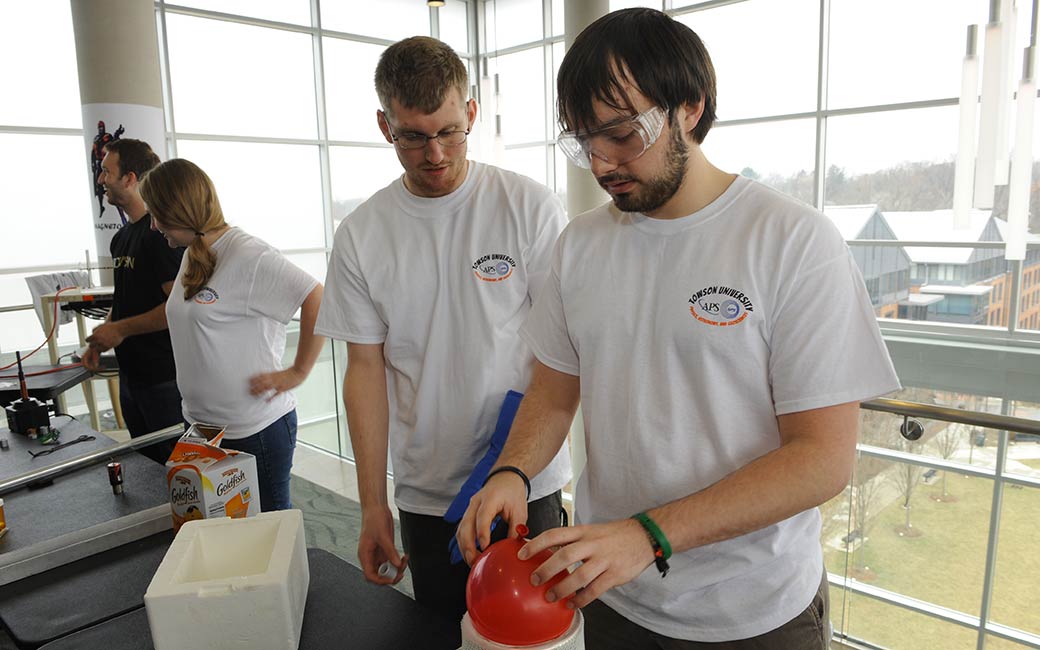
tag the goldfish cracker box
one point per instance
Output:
(206, 481)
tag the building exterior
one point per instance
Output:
(967, 285)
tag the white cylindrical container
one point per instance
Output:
(572, 639)
(388, 570)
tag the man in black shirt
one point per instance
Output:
(144, 270)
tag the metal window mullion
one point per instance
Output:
(1015, 297)
(13, 308)
(240, 19)
(167, 83)
(897, 456)
(822, 70)
(39, 130)
(702, 6)
(521, 47)
(994, 526)
(321, 106)
(905, 602)
(547, 85)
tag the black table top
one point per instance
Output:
(42, 387)
(77, 500)
(16, 460)
(343, 610)
(55, 603)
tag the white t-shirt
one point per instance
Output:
(690, 336)
(233, 329)
(444, 284)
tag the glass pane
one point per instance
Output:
(273, 191)
(233, 79)
(529, 161)
(779, 154)
(559, 15)
(21, 331)
(453, 23)
(44, 164)
(521, 99)
(901, 162)
(757, 85)
(1029, 304)
(350, 93)
(514, 22)
(894, 628)
(395, 19)
(895, 547)
(44, 92)
(313, 263)
(317, 397)
(358, 173)
(323, 434)
(284, 11)
(625, 4)
(1023, 455)
(924, 44)
(879, 153)
(1018, 563)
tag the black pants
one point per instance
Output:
(437, 583)
(147, 409)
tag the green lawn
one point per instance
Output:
(945, 566)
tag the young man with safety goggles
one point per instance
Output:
(720, 338)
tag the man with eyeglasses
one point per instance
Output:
(428, 284)
(720, 338)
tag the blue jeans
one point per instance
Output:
(150, 408)
(273, 448)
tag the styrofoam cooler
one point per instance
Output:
(227, 584)
(572, 639)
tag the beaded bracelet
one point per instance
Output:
(662, 549)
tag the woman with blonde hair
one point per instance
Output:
(232, 299)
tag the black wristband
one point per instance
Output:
(516, 470)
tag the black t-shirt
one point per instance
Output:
(143, 262)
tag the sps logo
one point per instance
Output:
(207, 296)
(720, 306)
(494, 267)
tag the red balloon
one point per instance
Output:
(503, 604)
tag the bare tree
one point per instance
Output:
(906, 479)
(947, 442)
(867, 481)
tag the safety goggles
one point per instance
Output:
(616, 143)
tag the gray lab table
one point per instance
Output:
(75, 501)
(342, 611)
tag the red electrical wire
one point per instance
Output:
(50, 335)
(44, 372)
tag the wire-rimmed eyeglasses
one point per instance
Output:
(413, 140)
(616, 143)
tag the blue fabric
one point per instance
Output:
(476, 479)
(273, 448)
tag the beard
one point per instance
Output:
(658, 190)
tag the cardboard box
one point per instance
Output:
(206, 481)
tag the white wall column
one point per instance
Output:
(120, 90)
(583, 192)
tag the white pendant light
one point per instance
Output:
(964, 170)
(1021, 163)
